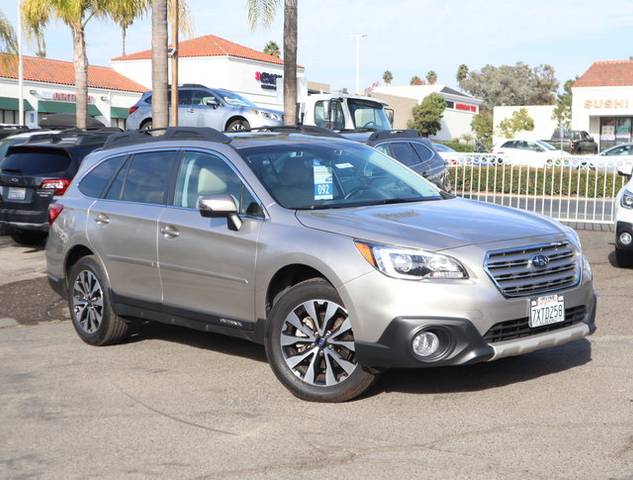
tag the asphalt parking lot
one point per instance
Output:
(174, 403)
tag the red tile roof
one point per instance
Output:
(607, 73)
(209, 46)
(63, 73)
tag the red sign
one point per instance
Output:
(69, 97)
(466, 107)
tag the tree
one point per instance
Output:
(264, 11)
(517, 84)
(428, 114)
(431, 77)
(75, 14)
(415, 80)
(462, 73)
(562, 112)
(520, 120)
(482, 126)
(160, 69)
(387, 77)
(8, 40)
(272, 48)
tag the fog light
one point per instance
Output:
(425, 344)
(626, 238)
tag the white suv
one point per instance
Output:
(624, 220)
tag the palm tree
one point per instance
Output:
(8, 40)
(75, 14)
(415, 80)
(387, 77)
(462, 73)
(272, 48)
(264, 11)
(160, 71)
(431, 77)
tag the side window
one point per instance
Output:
(384, 149)
(424, 152)
(404, 153)
(198, 97)
(320, 116)
(148, 177)
(338, 118)
(202, 174)
(509, 144)
(93, 184)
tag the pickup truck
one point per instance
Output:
(573, 141)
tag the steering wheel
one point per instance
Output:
(370, 124)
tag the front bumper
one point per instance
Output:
(467, 345)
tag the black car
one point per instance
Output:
(410, 149)
(34, 172)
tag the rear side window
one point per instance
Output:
(149, 176)
(424, 152)
(403, 152)
(97, 180)
(509, 145)
(36, 162)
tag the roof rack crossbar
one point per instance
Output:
(131, 137)
(402, 133)
(303, 129)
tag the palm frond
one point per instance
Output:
(262, 11)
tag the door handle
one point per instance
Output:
(169, 231)
(102, 219)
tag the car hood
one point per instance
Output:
(433, 225)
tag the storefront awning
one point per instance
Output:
(118, 112)
(50, 106)
(8, 103)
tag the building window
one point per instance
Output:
(450, 104)
(8, 116)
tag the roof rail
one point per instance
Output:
(81, 137)
(132, 137)
(384, 134)
(197, 85)
(303, 129)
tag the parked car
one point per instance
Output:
(20, 138)
(35, 171)
(336, 257)
(7, 129)
(199, 106)
(573, 141)
(623, 206)
(624, 149)
(533, 153)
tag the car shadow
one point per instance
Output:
(194, 338)
(484, 376)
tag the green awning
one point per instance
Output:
(50, 106)
(7, 103)
(118, 112)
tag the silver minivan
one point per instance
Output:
(340, 260)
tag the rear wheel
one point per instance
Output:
(238, 124)
(90, 305)
(28, 237)
(310, 344)
(623, 258)
(146, 125)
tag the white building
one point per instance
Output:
(602, 102)
(459, 113)
(215, 62)
(48, 87)
(544, 124)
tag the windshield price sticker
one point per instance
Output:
(323, 186)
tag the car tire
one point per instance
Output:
(146, 125)
(237, 125)
(28, 237)
(623, 258)
(97, 323)
(315, 364)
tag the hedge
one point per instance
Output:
(582, 181)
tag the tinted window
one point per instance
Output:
(203, 174)
(508, 145)
(403, 152)
(36, 163)
(6, 143)
(114, 190)
(93, 184)
(200, 97)
(424, 152)
(148, 177)
(184, 97)
(322, 115)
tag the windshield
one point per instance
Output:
(7, 142)
(545, 145)
(314, 176)
(234, 99)
(367, 114)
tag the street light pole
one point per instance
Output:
(358, 37)
(174, 63)
(20, 68)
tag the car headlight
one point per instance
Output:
(586, 268)
(627, 199)
(409, 263)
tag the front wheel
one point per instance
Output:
(237, 125)
(310, 345)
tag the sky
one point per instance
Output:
(408, 37)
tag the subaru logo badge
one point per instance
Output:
(539, 261)
(15, 180)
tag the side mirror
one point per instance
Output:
(626, 170)
(216, 206)
(211, 102)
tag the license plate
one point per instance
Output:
(16, 193)
(547, 310)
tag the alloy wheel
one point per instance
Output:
(87, 301)
(317, 343)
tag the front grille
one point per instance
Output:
(512, 329)
(515, 275)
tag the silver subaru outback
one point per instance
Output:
(339, 259)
